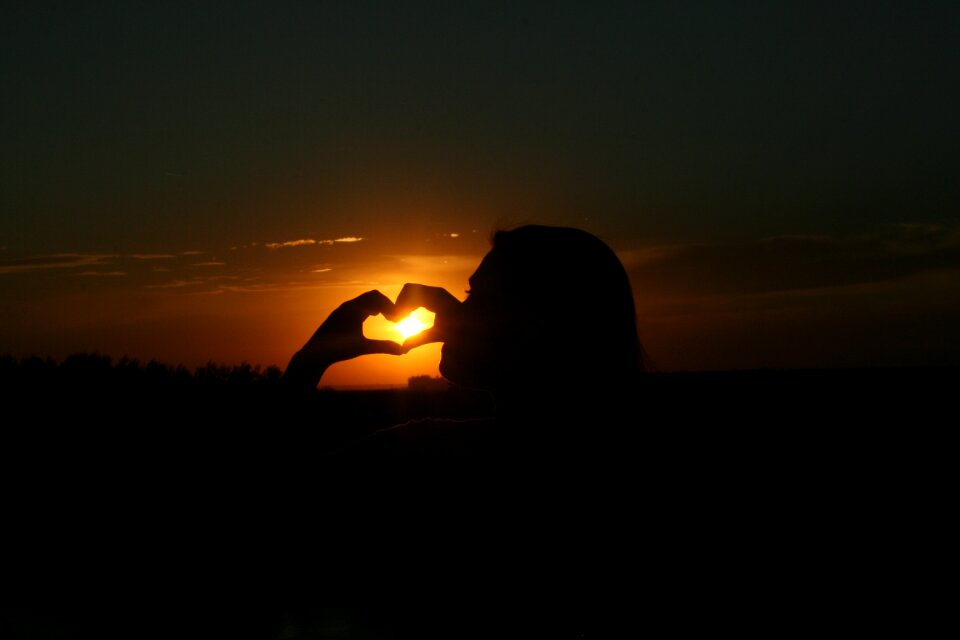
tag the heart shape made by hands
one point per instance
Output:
(379, 328)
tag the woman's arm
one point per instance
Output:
(339, 338)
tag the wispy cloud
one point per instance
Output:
(796, 262)
(887, 296)
(427, 264)
(55, 261)
(152, 256)
(176, 284)
(262, 287)
(191, 253)
(302, 242)
(209, 263)
(101, 273)
(306, 242)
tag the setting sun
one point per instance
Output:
(417, 321)
(410, 326)
(379, 328)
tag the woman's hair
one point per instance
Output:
(574, 289)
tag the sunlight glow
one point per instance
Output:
(379, 328)
(410, 326)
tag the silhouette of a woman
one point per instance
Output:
(512, 335)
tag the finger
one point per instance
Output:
(413, 296)
(373, 303)
(383, 346)
(410, 298)
(365, 305)
(424, 337)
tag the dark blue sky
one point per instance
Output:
(167, 127)
(667, 118)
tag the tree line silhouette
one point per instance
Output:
(88, 369)
(217, 481)
(128, 394)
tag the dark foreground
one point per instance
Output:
(144, 504)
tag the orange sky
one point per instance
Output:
(207, 183)
(256, 302)
(885, 298)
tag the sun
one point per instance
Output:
(379, 328)
(416, 322)
(410, 326)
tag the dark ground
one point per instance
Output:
(150, 502)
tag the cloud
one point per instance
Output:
(291, 243)
(794, 263)
(152, 256)
(176, 284)
(890, 296)
(428, 264)
(55, 261)
(305, 242)
(262, 287)
(191, 253)
(101, 273)
(210, 263)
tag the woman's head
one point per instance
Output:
(548, 306)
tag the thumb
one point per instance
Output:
(383, 346)
(424, 337)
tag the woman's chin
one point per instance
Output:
(454, 374)
(460, 372)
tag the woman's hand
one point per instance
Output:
(341, 337)
(434, 299)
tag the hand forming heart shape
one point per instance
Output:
(379, 328)
(341, 336)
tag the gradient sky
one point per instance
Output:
(207, 181)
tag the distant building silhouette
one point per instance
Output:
(427, 383)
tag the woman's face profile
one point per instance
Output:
(474, 348)
(506, 335)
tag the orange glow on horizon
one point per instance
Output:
(178, 315)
